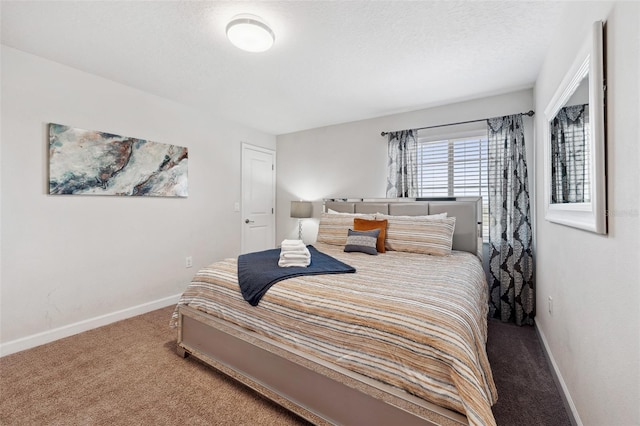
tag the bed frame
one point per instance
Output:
(318, 391)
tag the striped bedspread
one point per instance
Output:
(414, 321)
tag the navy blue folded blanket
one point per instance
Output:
(258, 271)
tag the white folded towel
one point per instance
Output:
(300, 250)
(294, 253)
(298, 254)
(294, 256)
(293, 245)
(284, 263)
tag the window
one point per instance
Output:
(455, 167)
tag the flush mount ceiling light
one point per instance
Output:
(250, 33)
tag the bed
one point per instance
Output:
(401, 341)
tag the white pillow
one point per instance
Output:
(428, 216)
(330, 211)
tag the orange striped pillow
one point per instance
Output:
(334, 227)
(427, 236)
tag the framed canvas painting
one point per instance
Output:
(90, 162)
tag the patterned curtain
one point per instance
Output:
(570, 155)
(402, 165)
(512, 297)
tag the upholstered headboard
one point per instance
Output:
(467, 235)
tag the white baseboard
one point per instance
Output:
(85, 325)
(574, 417)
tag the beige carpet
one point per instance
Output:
(128, 373)
(125, 373)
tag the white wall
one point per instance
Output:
(350, 160)
(70, 262)
(594, 332)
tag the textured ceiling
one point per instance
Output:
(333, 61)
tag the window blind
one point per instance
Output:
(453, 168)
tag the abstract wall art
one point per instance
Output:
(89, 162)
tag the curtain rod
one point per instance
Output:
(530, 113)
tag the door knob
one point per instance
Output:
(249, 221)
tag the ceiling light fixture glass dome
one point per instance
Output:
(250, 33)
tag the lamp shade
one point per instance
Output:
(301, 209)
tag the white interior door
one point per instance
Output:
(258, 198)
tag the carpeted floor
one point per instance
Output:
(128, 373)
(527, 393)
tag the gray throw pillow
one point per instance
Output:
(362, 241)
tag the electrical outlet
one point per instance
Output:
(550, 300)
(188, 262)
